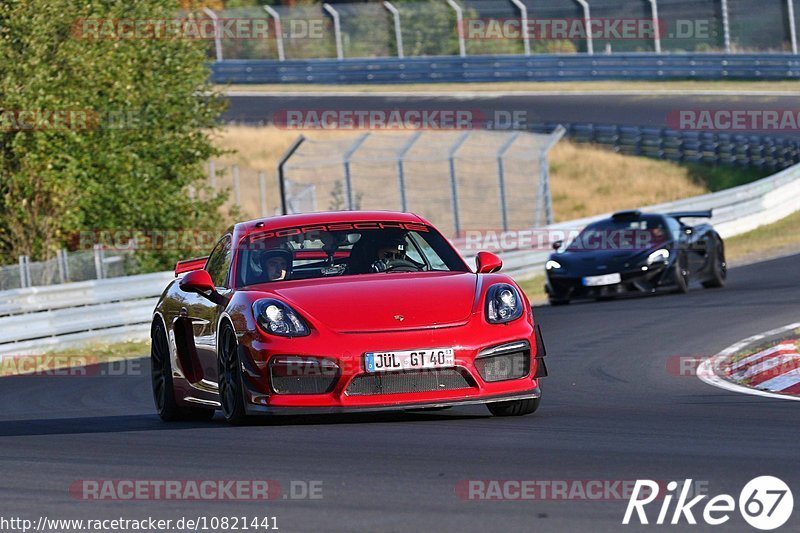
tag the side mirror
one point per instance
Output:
(197, 281)
(487, 262)
(557, 245)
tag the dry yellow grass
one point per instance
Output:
(256, 149)
(586, 180)
(773, 240)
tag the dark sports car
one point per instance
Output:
(636, 252)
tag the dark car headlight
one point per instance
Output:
(552, 264)
(278, 318)
(659, 256)
(503, 304)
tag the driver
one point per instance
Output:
(391, 250)
(277, 264)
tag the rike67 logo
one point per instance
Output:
(765, 503)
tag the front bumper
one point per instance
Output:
(279, 410)
(565, 286)
(257, 350)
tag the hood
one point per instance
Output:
(595, 262)
(375, 302)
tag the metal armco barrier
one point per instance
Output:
(567, 67)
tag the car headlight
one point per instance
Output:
(503, 304)
(659, 256)
(552, 264)
(278, 318)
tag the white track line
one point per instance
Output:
(706, 369)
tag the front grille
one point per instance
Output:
(409, 381)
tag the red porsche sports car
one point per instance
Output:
(342, 311)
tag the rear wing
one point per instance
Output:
(691, 214)
(188, 265)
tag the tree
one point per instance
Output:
(136, 114)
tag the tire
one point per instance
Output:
(514, 407)
(681, 276)
(231, 395)
(719, 270)
(161, 380)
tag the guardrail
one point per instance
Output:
(120, 309)
(33, 319)
(555, 67)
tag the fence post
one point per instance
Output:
(792, 25)
(726, 27)
(462, 48)
(348, 180)
(544, 174)
(453, 184)
(63, 268)
(212, 174)
(502, 178)
(98, 261)
(398, 34)
(587, 21)
(281, 177)
(262, 193)
(237, 189)
(24, 272)
(337, 29)
(526, 38)
(217, 39)
(656, 29)
(401, 177)
(278, 31)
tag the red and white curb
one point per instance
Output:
(771, 373)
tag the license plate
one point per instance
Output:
(605, 279)
(392, 361)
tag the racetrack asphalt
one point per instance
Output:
(604, 108)
(611, 410)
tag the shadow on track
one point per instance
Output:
(126, 423)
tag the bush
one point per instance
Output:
(137, 134)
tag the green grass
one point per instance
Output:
(108, 352)
(718, 177)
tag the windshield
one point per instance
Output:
(345, 249)
(638, 234)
